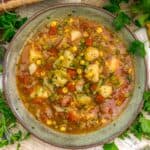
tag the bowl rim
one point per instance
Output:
(51, 7)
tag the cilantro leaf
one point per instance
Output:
(9, 23)
(145, 125)
(121, 20)
(137, 48)
(110, 146)
(136, 129)
(7, 122)
(146, 101)
(141, 19)
(112, 8)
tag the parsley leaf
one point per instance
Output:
(112, 8)
(137, 48)
(110, 146)
(7, 125)
(9, 23)
(121, 20)
(146, 101)
(118, 1)
(141, 19)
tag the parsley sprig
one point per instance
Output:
(8, 132)
(9, 23)
(139, 10)
(137, 48)
(122, 18)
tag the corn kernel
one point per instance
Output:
(99, 30)
(62, 129)
(71, 20)
(74, 48)
(79, 71)
(43, 73)
(105, 37)
(85, 34)
(118, 102)
(65, 90)
(54, 122)
(89, 74)
(82, 62)
(61, 57)
(130, 71)
(82, 54)
(49, 122)
(38, 62)
(97, 62)
(53, 23)
(103, 121)
(66, 30)
(101, 53)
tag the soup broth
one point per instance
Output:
(75, 75)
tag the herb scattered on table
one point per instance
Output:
(110, 146)
(122, 18)
(9, 133)
(9, 23)
(139, 11)
(137, 48)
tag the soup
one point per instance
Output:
(75, 75)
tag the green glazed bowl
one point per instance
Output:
(44, 133)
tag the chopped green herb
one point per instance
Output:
(121, 20)
(9, 23)
(137, 48)
(110, 146)
(7, 122)
(147, 101)
(112, 8)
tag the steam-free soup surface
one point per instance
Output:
(75, 75)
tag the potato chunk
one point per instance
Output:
(75, 34)
(34, 55)
(105, 91)
(65, 60)
(92, 72)
(40, 92)
(113, 64)
(91, 54)
(32, 68)
(59, 77)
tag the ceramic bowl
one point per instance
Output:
(44, 133)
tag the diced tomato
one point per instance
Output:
(99, 98)
(72, 73)
(48, 66)
(38, 100)
(65, 101)
(71, 87)
(27, 90)
(43, 116)
(88, 42)
(53, 30)
(53, 52)
(73, 116)
(93, 87)
(38, 72)
(59, 91)
(24, 79)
